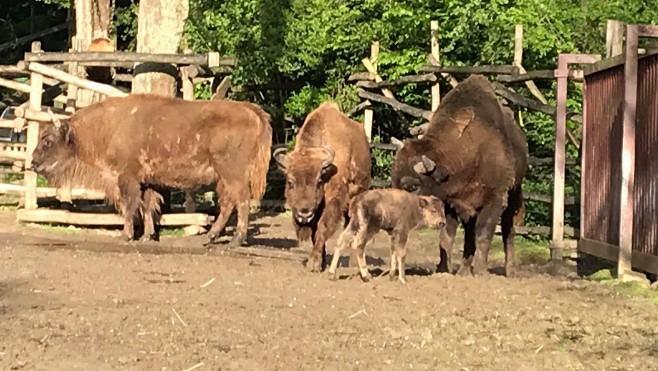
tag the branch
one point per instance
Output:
(358, 108)
(395, 104)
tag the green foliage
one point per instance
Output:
(294, 54)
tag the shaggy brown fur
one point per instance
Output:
(329, 165)
(393, 210)
(467, 158)
(139, 142)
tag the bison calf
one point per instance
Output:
(393, 210)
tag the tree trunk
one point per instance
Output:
(159, 30)
(92, 21)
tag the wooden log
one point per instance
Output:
(30, 177)
(223, 88)
(89, 219)
(614, 38)
(486, 69)
(428, 77)
(12, 70)
(210, 59)
(13, 151)
(71, 79)
(395, 104)
(15, 85)
(371, 66)
(358, 108)
(434, 47)
(435, 62)
(37, 35)
(41, 116)
(361, 76)
(49, 192)
(576, 75)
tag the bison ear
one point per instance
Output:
(423, 202)
(463, 119)
(66, 133)
(327, 172)
(280, 158)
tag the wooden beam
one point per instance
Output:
(395, 104)
(358, 108)
(487, 69)
(181, 59)
(89, 219)
(30, 177)
(37, 35)
(77, 81)
(428, 77)
(49, 192)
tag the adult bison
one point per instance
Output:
(129, 146)
(473, 156)
(329, 165)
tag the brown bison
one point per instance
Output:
(473, 156)
(393, 210)
(329, 165)
(129, 146)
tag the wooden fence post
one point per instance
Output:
(188, 94)
(628, 154)
(614, 38)
(557, 238)
(368, 115)
(434, 45)
(36, 80)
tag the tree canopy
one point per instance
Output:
(293, 54)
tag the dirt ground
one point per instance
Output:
(74, 300)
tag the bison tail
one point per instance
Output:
(260, 165)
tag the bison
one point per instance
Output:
(329, 165)
(473, 157)
(393, 210)
(130, 146)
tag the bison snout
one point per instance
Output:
(304, 215)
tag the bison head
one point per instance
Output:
(414, 171)
(433, 211)
(307, 170)
(55, 146)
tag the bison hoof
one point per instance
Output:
(333, 276)
(365, 277)
(510, 270)
(464, 271)
(402, 281)
(238, 240)
(314, 264)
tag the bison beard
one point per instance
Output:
(473, 157)
(130, 146)
(329, 165)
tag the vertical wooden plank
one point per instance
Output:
(557, 239)
(628, 153)
(434, 45)
(36, 91)
(614, 38)
(583, 163)
(518, 46)
(368, 116)
(188, 94)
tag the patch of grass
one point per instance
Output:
(627, 289)
(526, 250)
(8, 207)
(172, 232)
(59, 229)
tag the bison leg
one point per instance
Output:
(514, 207)
(131, 202)
(150, 213)
(447, 243)
(360, 240)
(344, 240)
(243, 223)
(469, 248)
(400, 241)
(226, 206)
(394, 260)
(327, 226)
(485, 226)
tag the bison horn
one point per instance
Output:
(278, 156)
(330, 156)
(425, 166)
(397, 143)
(54, 118)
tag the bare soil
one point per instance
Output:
(74, 300)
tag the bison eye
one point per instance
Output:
(47, 142)
(412, 187)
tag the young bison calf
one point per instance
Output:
(397, 212)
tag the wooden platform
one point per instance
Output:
(96, 219)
